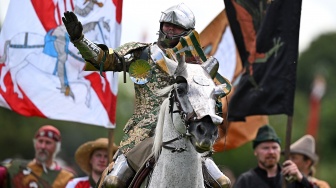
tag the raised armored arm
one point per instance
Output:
(99, 56)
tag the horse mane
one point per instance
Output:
(160, 122)
(164, 91)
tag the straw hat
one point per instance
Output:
(305, 146)
(84, 152)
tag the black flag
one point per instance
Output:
(267, 37)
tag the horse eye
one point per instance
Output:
(180, 91)
(200, 130)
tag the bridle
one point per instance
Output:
(187, 118)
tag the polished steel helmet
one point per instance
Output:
(179, 15)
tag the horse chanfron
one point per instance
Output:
(190, 98)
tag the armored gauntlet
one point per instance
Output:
(72, 25)
(98, 56)
(88, 49)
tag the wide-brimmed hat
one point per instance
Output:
(305, 146)
(84, 152)
(265, 133)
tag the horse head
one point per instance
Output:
(195, 95)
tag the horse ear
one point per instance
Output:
(211, 66)
(181, 65)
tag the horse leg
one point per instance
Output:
(14, 72)
(4, 69)
(60, 44)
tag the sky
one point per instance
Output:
(141, 17)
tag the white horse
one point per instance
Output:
(187, 126)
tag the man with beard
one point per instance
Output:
(43, 170)
(92, 158)
(269, 173)
(302, 153)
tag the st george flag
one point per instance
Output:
(217, 40)
(41, 72)
(267, 35)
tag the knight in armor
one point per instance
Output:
(176, 23)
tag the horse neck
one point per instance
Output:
(166, 129)
(172, 128)
(174, 169)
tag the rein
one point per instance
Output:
(186, 119)
(175, 149)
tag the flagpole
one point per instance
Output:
(287, 144)
(110, 144)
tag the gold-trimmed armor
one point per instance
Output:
(142, 123)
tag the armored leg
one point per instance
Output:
(216, 174)
(121, 174)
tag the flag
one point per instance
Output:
(217, 40)
(266, 34)
(318, 90)
(41, 72)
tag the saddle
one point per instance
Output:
(147, 168)
(143, 172)
(142, 161)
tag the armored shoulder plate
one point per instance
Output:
(128, 48)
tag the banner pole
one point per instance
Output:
(110, 144)
(287, 144)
